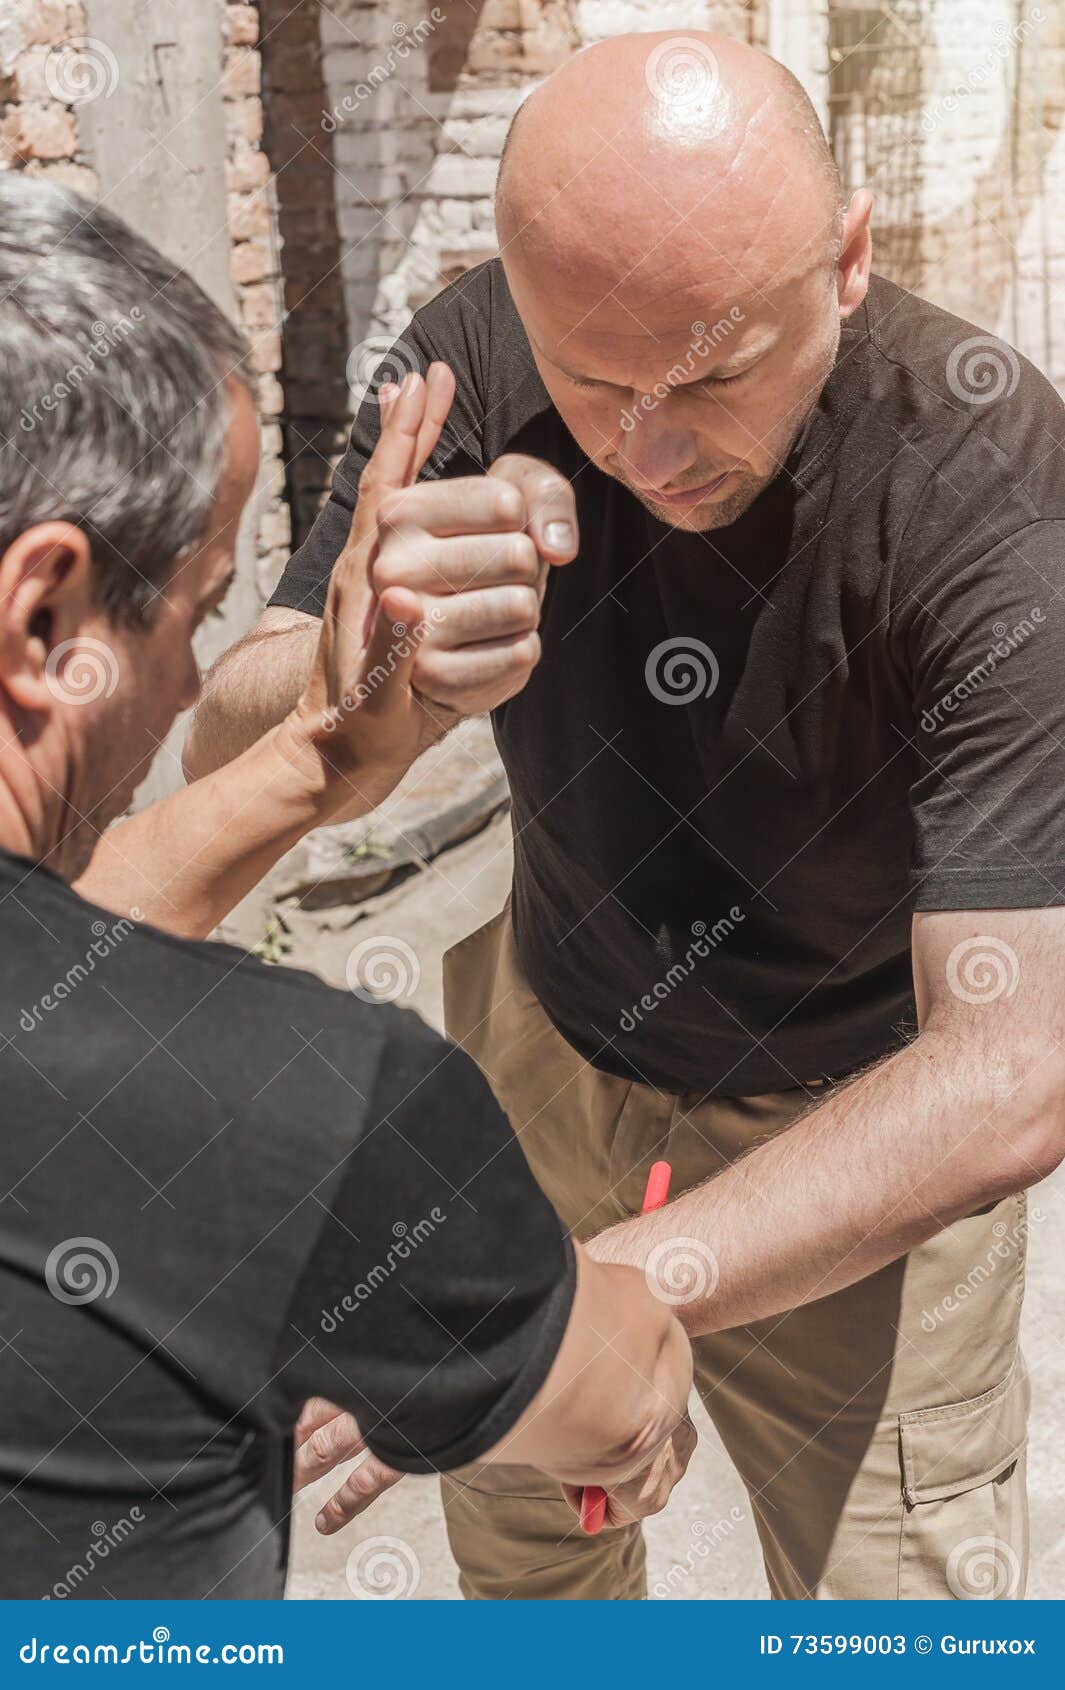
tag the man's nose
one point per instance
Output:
(653, 450)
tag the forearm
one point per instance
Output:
(914, 1144)
(251, 688)
(185, 862)
(618, 1388)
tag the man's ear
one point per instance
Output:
(45, 600)
(856, 255)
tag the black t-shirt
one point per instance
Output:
(225, 1188)
(717, 857)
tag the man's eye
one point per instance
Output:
(723, 381)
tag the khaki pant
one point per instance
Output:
(880, 1432)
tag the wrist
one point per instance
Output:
(330, 783)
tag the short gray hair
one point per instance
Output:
(114, 409)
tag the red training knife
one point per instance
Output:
(593, 1501)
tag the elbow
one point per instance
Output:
(1025, 1136)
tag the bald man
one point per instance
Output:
(758, 562)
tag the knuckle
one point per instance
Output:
(508, 505)
(521, 559)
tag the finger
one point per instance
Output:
(469, 504)
(396, 630)
(462, 679)
(439, 394)
(549, 502)
(457, 563)
(485, 613)
(390, 462)
(370, 1480)
(338, 1440)
(314, 1413)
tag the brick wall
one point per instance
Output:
(38, 126)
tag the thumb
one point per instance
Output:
(388, 661)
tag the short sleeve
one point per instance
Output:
(438, 1293)
(985, 655)
(452, 328)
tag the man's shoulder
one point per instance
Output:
(965, 374)
(965, 424)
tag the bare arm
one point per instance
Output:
(612, 1411)
(967, 1114)
(250, 688)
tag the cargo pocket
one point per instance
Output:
(964, 1517)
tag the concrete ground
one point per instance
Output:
(704, 1545)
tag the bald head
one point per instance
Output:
(694, 141)
(672, 229)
